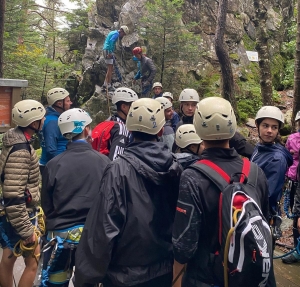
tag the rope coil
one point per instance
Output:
(20, 248)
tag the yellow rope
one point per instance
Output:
(226, 256)
(235, 215)
(20, 248)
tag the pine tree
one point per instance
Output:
(169, 41)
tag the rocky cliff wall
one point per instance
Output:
(107, 15)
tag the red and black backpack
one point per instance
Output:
(244, 234)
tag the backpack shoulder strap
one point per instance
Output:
(253, 174)
(20, 146)
(14, 148)
(217, 175)
(220, 178)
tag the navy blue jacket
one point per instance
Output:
(274, 160)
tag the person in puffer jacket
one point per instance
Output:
(127, 237)
(19, 170)
(190, 146)
(273, 158)
(293, 146)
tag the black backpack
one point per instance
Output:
(244, 234)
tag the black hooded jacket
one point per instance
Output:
(185, 159)
(127, 238)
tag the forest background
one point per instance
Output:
(44, 42)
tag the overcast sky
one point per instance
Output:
(66, 3)
(67, 6)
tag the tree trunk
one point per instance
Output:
(2, 9)
(262, 48)
(163, 57)
(222, 54)
(296, 104)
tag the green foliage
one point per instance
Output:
(276, 97)
(248, 43)
(283, 65)
(169, 42)
(210, 85)
(249, 99)
(37, 49)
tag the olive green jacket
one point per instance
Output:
(21, 172)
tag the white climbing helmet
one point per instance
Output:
(156, 84)
(146, 115)
(56, 94)
(168, 95)
(125, 95)
(165, 102)
(125, 29)
(26, 112)
(272, 113)
(189, 95)
(214, 119)
(72, 122)
(186, 135)
(297, 118)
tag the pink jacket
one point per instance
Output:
(293, 143)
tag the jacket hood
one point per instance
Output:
(152, 160)
(274, 148)
(13, 136)
(186, 159)
(51, 111)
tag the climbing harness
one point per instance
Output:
(297, 249)
(287, 199)
(53, 258)
(58, 241)
(20, 249)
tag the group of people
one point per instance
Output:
(122, 217)
(129, 202)
(146, 68)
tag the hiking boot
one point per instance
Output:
(292, 258)
(103, 88)
(111, 89)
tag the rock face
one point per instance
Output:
(240, 35)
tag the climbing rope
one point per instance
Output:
(297, 249)
(287, 199)
(21, 249)
(117, 71)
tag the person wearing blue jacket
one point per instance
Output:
(272, 157)
(108, 53)
(52, 141)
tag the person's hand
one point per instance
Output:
(298, 224)
(30, 240)
(292, 151)
(109, 56)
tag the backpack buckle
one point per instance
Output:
(242, 178)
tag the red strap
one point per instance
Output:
(245, 169)
(219, 170)
(220, 218)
